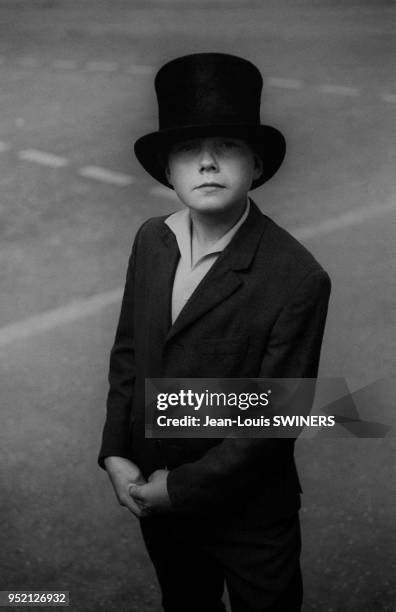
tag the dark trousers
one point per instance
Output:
(260, 565)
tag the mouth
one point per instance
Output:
(212, 185)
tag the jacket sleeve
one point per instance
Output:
(293, 351)
(115, 437)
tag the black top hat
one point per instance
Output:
(210, 94)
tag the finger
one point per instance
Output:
(136, 492)
(134, 507)
(138, 498)
(139, 494)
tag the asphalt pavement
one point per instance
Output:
(76, 90)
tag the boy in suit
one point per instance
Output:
(214, 290)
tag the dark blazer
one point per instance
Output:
(259, 312)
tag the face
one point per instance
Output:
(212, 174)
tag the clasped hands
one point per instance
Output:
(141, 497)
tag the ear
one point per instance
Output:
(258, 166)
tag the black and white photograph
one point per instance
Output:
(198, 312)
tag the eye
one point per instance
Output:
(185, 147)
(229, 144)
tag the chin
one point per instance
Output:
(212, 203)
(210, 207)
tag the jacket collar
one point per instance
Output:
(219, 283)
(180, 224)
(240, 251)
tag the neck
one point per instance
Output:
(207, 228)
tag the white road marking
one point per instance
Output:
(142, 69)
(339, 90)
(102, 66)
(41, 157)
(106, 176)
(65, 64)
(163, 192)
(28, 62)
(389, 97)
(139, 69)
(4, 146)
(287, 83)
(353, 217)
(51, 319)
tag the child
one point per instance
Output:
(214, 290)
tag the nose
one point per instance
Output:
(207, 159)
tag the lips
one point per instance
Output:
(209, 185)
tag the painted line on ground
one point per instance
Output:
(339, 90)
(102, 66)
(106, 176)
(51, 319)
(78, 309)
(286, 83)
(139, 69)
(389, 97)
(41, 157)
(65, 64)
(97, 173)
(143, 69)
(353, 217)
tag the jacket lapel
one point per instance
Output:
(219, 283)
(158, 307)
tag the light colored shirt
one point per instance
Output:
(188, 274)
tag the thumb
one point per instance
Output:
(134, 491)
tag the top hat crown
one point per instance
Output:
(208, 88)
(210, 94)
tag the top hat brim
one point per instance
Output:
(267, 142)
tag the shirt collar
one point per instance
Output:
(180, 224)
